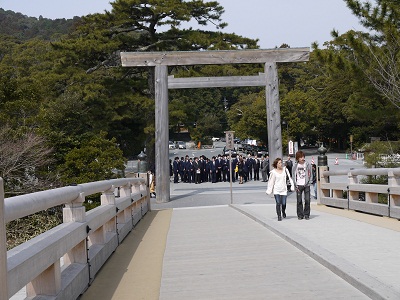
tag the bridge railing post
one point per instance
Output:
(47, 283)
(393, 199)
(75, 212)
(108, 198)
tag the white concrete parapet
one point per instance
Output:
(61, 263)
(333, 193)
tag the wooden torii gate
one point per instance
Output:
(163, 82)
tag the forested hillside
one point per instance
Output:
(25, 28)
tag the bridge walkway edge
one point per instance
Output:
(313, 241)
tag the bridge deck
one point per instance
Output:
(242, 252)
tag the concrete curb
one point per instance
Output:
(358, 278)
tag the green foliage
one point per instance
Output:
(374, 151)
(207, 127)
(382, 180)
(94, 160)
(375, 52)
(24, 229)
(248, 118)
(25, 28)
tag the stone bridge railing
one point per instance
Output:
(378, 199)
(62, 262)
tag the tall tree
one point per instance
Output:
(247, 117)
(23, 155)
(377, 51)
(93, 161)
(136, 25)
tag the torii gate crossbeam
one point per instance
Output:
(163, 82)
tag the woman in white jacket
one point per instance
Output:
(277, 185)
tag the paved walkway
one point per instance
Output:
(199, 246)
(243, 252)
(219, 253)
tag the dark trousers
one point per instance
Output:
(303, 211)
(225, 176)
(176, 177)
(213, 176)
(256, 174)
(219, 175)
(197, 177)
(233, 176)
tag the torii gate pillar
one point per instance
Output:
(162, 133)
(273, 112)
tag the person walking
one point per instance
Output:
(277, 186)
(302, 178)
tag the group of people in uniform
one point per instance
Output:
(297, 176)
(219, 168)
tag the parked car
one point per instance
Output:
(215, 139)
(171, 145)
(247, 148)
(180, 145)
(262, 151)
(226, 152)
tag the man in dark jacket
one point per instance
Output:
(256, 167)
(175, 166)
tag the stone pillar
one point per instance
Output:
(273, 112)
(162, 134)
(322, 166)
(125, 190)
(47, 283)
(75, 211)
(322, 158)
(108, 198)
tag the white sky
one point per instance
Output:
(297, 23)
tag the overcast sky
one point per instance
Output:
(297, 23)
